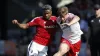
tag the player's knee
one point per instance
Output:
(64, 47)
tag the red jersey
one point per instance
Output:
(45, 29)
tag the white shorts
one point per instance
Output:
(35, 49)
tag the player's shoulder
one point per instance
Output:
(70, 14)
(58, 18)
(39, 17)
(36, 18)
(53, 18)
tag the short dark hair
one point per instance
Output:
(96, 7)
(47, 7)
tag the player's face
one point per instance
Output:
(97, 11)
(47, 14)
(62, 13)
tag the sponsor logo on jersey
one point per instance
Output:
(51, 26)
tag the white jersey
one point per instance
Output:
(71, 33)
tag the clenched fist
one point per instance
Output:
(15, 21)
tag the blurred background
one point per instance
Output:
(14, 41)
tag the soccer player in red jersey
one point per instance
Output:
(45, 30)
(71, 37)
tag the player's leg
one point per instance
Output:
(32, 49)
(64, 48)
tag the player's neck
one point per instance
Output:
(63, 18)
(46, 18)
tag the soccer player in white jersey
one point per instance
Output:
(71, 37)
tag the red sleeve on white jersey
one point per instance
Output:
(33, 22)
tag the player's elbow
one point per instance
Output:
(25, 27)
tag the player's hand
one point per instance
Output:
(14, 21)
(65, 24)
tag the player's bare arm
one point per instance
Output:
(23, 26)
(74, 20)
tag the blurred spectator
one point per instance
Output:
(96, 1)
(94, 25)
(84, 37)
(84, 28)
(73, 9)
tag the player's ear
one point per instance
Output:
(51, 11)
